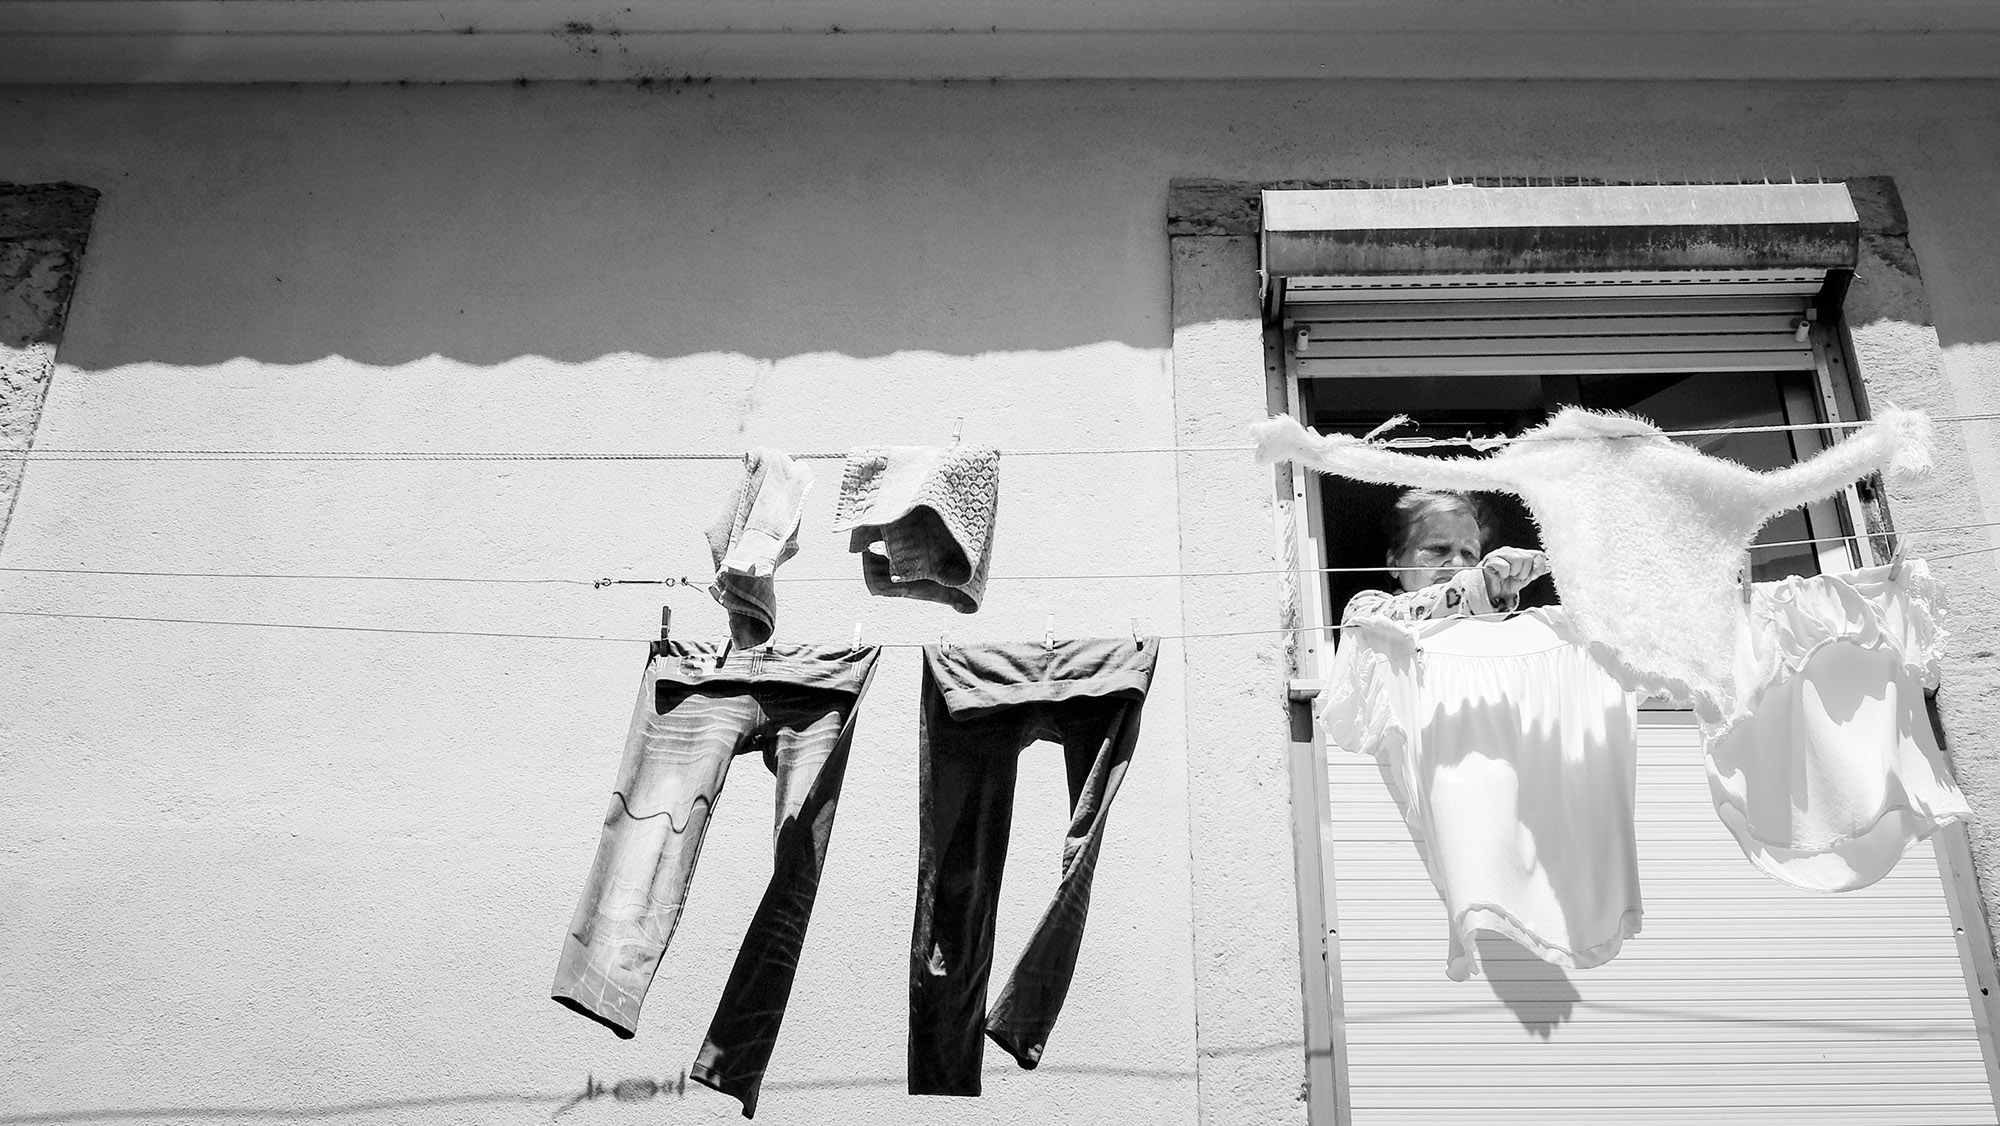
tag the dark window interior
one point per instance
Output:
(1486, 406)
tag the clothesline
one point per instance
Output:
(635, 641)
(194, 454)
(701, 584)
(645, 641)
(1375, 570)
(527, 636)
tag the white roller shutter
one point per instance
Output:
(1742, 1000)
(1517, 326)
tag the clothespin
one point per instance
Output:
(1136, 639)
(856, 642)
(1744, 576)
(1896, 560)
(666, 627)
(957, 429)
(1049, 635)
(1388, 424)
(944, 640)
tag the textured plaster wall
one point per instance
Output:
(1251, 1053)
(321, 875)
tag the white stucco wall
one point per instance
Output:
(322, 875)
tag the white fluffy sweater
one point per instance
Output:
(1645, 535)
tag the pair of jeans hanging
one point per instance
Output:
(981, 706)
(794, 705)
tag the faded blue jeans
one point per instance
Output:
(792, 704)
(981, 706)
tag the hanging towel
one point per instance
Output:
(1610, 491)
(922, 520)
(1512, 756)
(758, 530)
(1834, 772)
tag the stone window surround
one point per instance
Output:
(44, 229)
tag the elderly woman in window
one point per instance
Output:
(1437, 552)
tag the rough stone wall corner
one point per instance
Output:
(44, 229)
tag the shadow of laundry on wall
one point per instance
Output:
(289, 1113)
(1540, 996)
(623, 1090)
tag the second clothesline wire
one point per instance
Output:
(1265, 632)
(698, 584)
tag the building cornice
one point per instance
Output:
(125, 41)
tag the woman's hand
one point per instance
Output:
(1508, 569)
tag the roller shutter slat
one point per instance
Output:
(1502, 336)
(1732, 1034)
(1742, 1097)
(1972, 1114)
(1444, 311)
(1577, 344)
(1706, 1051)
(1769, 325)
(1541, 364)
(1792, 1015)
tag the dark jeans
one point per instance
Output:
(794, 705)
(982, 704)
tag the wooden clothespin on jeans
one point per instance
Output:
(1049, 635)
(666, 628)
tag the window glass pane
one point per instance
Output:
(1712, 401)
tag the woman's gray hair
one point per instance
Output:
(1408, 511)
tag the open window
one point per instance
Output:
(1461, 361)
(1481, 311)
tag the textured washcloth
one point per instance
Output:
(1646, 536)
(922, 520)
(757, 531)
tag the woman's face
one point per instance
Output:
(1444, 542)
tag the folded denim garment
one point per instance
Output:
(922, 520)
(757, 531)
